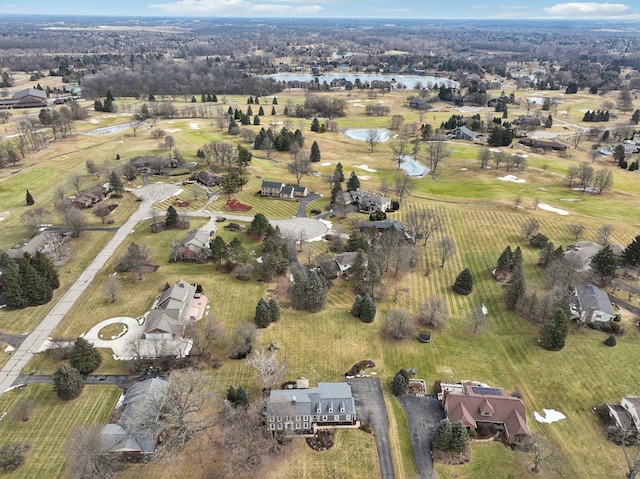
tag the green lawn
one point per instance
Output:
(50, 423)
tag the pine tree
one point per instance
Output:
(399, 384)
(338, 173)
(315, 125)
(316, 291)
(244, 156)
(298, 292)
(36, 287)
(358, 270)
(14, 294)
(464, 282)
(256, 120)
(632, 252)
(29, 200)
(635, 118)
(261, 112)
(459, 437)
(67, 382)
(275, 100)
(353, 183)
(336, 191)
(236, 253)
(442, 435)
(249, 111)
(367, 309)
(273, 111)
(505, 259)
(314, 156)
(555, 330)
(219, 250)
(241, 397)
(85, 357)
(611, 340)
(44, 267)
(357, 241)
(516, 260)
(516, 288)
(604, 264)
(97, 105)
(259, 226)
(115, 184)
(274, 309)
(171, 218)
(356, 309)
(231, 395)
(262, 317)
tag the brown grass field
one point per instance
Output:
(480, 216)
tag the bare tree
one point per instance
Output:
(484, 157)
(433, 312)
(300, 166)
(477, 319)
(21, 411)
(33, 219)
(75, 181)
(373, 138)
(269, 368)
(402, 186)
(529, 228)
(169, 143)
(223, 153)
(498, 157)
(576, 230)
(447, 249)
(205, 335)
(87, 454)
(74, 220)
(423, 223)
(399, 148)
(157, 133)
(398, 324)
(385, 188)
(92, 168)
(135, 124)
(437, 152)
(539, 452)
(57, 247)
(102, 211)
(112, 288)
(396, 122)
(135, 259)
(575, 139)
(603, 180)
(604, 233)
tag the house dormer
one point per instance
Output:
(331, 407)
(486, 409)
(342, 407)
(319, 408)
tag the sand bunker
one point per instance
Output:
(365, 168)
(194, 126)
(550, 415)
(546, 207)
(512, 178)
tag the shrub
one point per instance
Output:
(67, 382)
(611, 340)
(538, 240)
(12, 456)
(442, 435)
(398, 324)
(400, 383)
(464, 282)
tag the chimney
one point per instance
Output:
(293, 400)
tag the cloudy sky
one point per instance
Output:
(331, 8)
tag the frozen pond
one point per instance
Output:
(408, 81)
(361, 134)
(413, 167)
(109, 130)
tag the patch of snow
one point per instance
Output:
(361, 134)
(9, 349)
(570, 199)
(94, 121)
(542, 188)
(550, 415)
(485, 311)
(587, 190)
(364, 177)
(120, 401)
(325, 163)
(259, 260)
(495, 150)
(174, 130)
(512, 178)
(546, 207)
(365, 168)
(194, 126)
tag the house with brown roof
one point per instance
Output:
(477, 404)
(208, 178)
(29, 98)
(543, 144)
(87, 199)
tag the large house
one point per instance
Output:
(208, 178)
(463, 133)
(592, 305)
(626, 414)
(339, 266)
(195, 246)
(330, 404)
(170, 312)
(134, 433)
(546, 144)
(29, 98)
(277, 189)
(31, 246)
(474, 404)
(87, 199)
(367, 202)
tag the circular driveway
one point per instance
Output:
(121, 345)
(310, 228)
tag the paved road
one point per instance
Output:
(423, 415)
(14, 340)
(123, 380)
(624, 305)
(370, 407)
(304, 202)
(10, 372)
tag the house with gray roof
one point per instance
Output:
(592, 304)
(29, 98)
(298, 410)
(277, 189)
(31, 246)
(195, 246)
(136, 432)
(368, 202)
(170, 312)
(463, 133)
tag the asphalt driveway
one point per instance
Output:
(370, 407)
(423, 415)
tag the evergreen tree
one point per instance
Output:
(555, 330)
(97, 105)
(632, 252)
(548, 123)
(36, 287)
(399, 384)
(29, 200)
(214, 98)
(84, 357)
(315, 125)
(316, 292)
(286, 111)
(257, 100)
(464, 282)
(171, 218)
(231, 395)
(241, 397)
(611, 340)
(353, 183)
(374, 275)
(298, 292)
(13, 293)
(5, 261)
(604, 264)
(516, 288)
(235, 252)
(44, 267)
(358, 270)
(230, 111)
(505, 259)
(274, 101)
(249, 111)
(356, 309)
(459, 437)
(256, 120)
(635, 118)
(367, 309)
(516, 260)
(274, 310)
(262, 317)
(219, 250)
(314, 156)
(336, 191)
(193, 99)
(261, 112)
(115, 184)
(338, 173)
(67, 382)
(357, 241)
(442, 435)
(273, 111)
(244, 156)
(259, 226)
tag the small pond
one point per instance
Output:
(361, 134)
(413, 167)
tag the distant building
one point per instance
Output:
(29, 98)
(277, 189)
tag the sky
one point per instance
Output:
(505, 9)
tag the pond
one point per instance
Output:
(413, 167)
(409, 81)
(361, 134)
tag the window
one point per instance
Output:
(305, 418)
(306, 425)
(288, 418)
(280, 426)
(279, 418)
(336, 417)
(348, 417)
(272, 427)
(324, 418)
(297, 425)
(298, 418)
(272, 418)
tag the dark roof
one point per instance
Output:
(272, 184)
(383, 224)
(306, 402)
(35, 244)
(592, 297)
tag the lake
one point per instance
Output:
(407, 80)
